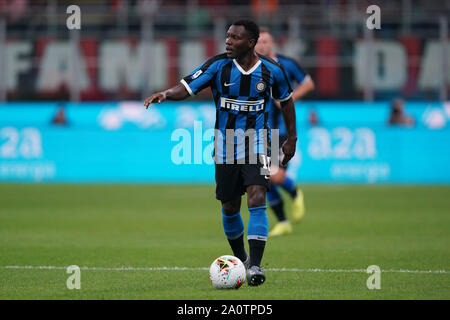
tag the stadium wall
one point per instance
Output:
(116, 68)
(121, 142)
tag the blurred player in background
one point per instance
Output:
(398, 116)
(279, 178)
(241, 82)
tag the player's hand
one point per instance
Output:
(155, 98)
(288, 149)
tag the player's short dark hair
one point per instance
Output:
(250, 26)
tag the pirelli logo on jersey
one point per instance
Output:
(242, 105)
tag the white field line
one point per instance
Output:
(204, 269)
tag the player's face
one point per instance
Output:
(265, 44)
(237, 43)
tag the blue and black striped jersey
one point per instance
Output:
(242, 101)
(296, 74)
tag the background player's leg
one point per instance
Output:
(288, 184)
(281, 178)
(298, 206)
(275, 201)
(234, 227)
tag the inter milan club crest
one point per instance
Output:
(260, 86)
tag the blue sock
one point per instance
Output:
(234, 230)
(289, 185)
(258, 224)
(257, 231)
(232, 225)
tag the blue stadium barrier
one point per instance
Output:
(112, 142)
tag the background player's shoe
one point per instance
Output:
(298, 207)
(255, 276)
(281, 228)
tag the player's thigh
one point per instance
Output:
(256, 181)
(256, 196)
(229, 183)
(232, 206)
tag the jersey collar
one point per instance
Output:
(249, 71)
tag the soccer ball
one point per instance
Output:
(227, 272)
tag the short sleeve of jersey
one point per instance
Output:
(295, 71)
(281, 89)
(200, 78)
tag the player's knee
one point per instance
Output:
(231, 207)
(256, 198)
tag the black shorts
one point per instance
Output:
(233, 179)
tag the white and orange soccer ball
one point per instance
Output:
(227, 272)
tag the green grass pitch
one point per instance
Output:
(346, 229)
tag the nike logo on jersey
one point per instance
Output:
(228, 84)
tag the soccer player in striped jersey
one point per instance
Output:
(279, 178)
(242, 84)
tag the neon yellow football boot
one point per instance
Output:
(280, 229)
(298, 207)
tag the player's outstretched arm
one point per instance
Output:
(288, 112)
(177, 92)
